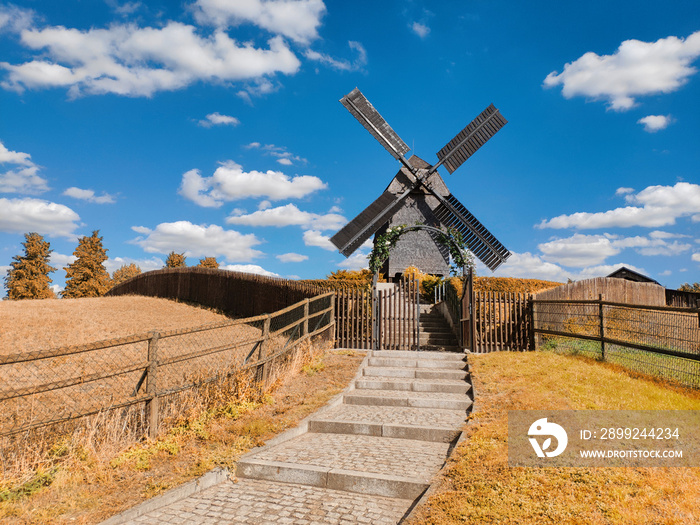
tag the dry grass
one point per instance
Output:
(87, 478)
(48, 323)
(478, 486)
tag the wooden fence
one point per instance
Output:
(500, 321)
(397, 324)
(353, 319)
(47, 387)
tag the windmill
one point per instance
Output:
(418, 194)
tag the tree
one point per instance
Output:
(687, 287)
(208, 262)
(28, 276)
(124, 273)
(175, 260)
(87, 276)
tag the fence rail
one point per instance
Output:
(501, 321)
(656, 340)
(47, 387)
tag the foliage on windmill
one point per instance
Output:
(419, 195)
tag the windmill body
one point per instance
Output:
(418, 194)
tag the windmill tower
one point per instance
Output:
(417, 194)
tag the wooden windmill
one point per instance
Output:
(418, 194)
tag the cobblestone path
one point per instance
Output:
(367, 458)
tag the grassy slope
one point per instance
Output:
(477, 486)
(39, 324)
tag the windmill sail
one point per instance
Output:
(480, 241)
(364, 112)
(470, 139)
(362, 227)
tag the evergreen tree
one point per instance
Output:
(124, 273)
(28, 276)
(208, 262)
(87, 276)
(175, 260)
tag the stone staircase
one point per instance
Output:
(391, 432)
(435, 332)
(367, 457)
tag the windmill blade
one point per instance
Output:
(361, 108)
(362, 227)
(480, 241)
(470, 139)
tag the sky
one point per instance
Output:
(213, 128)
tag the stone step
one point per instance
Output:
(418, 373)
(436, 425)
(441, 348)
(414, 385)
(412, 354)
(396, 362)
(406, 398)
(355, 463)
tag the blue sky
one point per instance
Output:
(213, 127)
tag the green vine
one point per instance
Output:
(460, 256)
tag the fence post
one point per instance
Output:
(305, 326)
(152, 414)
(601, 298)
(533, 323)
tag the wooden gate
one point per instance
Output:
(501, 321)
(397, 313)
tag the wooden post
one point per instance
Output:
(151, 386)
(601, 319)
(532, 322)
(305, 324)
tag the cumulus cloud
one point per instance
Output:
(695, 257)
(196, 240)
(217, 119)
(134, 61)
(146, 265)
(421, 30)
(660, 206)
(89, 196)
(35, 215)
(316, 238)
(624, 191)
(15, 19)
(357, 261)
(249, 268)
(341, 64)
(635, 69)
(289, 215)
(297, 20)
(23, 177)
(292, 257)
(229, 182)
(654, 123)
(579, 250)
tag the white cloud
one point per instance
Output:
(316, 238)
(15, 19)
(35, 215)
(660, 206)
(579, 250)
(249, 268)
(285, 161)
(654, 123)
(217, 119)
(292, 257)
(623, 191)
(89, 195)
(695, 257)
(527, 265)
(284, 156)
(289, 215)
(295, 19)
(146, 265)
(61, 260)
(604, 270)
(666, 273)
(230, 183)
(198, 241)
(635, 69)
(133, 61)
(357, 261)
(421, 30)
(24, 177)
(342, 64)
